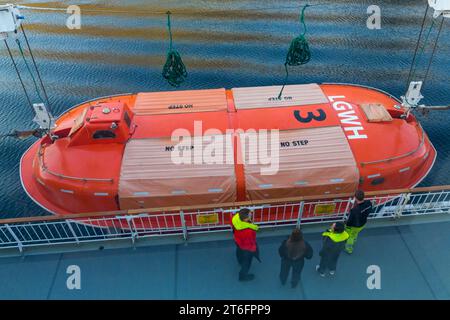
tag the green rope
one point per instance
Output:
(29, 69)
(298, 52)
(174, 70)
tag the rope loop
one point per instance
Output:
(299, 52)
(174, 70)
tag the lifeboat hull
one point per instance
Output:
(334, 138)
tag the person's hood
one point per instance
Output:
(238, 224)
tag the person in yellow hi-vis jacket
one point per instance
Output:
(357, 219)
(333, 243)
(244, 232)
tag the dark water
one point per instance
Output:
(223, 44)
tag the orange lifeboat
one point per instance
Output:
(117, 152)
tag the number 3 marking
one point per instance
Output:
(322, 116)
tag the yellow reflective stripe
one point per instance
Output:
(238, 224)
(336, 237)
(358, 229)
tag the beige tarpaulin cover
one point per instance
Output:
(180, 101)
(376, 112)
(311, 162)
(149, 177)
(267, 97)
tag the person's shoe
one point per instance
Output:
(332, 272)
(317, 269)
(248, 277)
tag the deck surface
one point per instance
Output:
(414, 262)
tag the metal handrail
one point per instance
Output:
(92, 100)
(62, 176)
(137, 212)
(366, 87)
(177, 223)
(422, 141)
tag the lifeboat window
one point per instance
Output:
(178, 192)
(377, 181)
(127, 119)
(104, 134)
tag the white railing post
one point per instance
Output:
(134, 233)
(300, 214)
(347, 208)
(232, 212)
(404, 200)
(392, 205)
(73, 232)
(183, 225)
(19, 243)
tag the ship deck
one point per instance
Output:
(413, 259)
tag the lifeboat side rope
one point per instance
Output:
(174, 70)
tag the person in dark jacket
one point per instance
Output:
(293, 252)
(333, 243)
(245, 238)
(357, 219)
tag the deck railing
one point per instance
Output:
(184, 221)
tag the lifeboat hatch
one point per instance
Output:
(103, 123)
(186, 101)
(376, 112)
(267, 97)
(151, 176)
(315, 161)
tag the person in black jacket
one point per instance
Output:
(293, 252)
(357, 219)
(333, 243)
